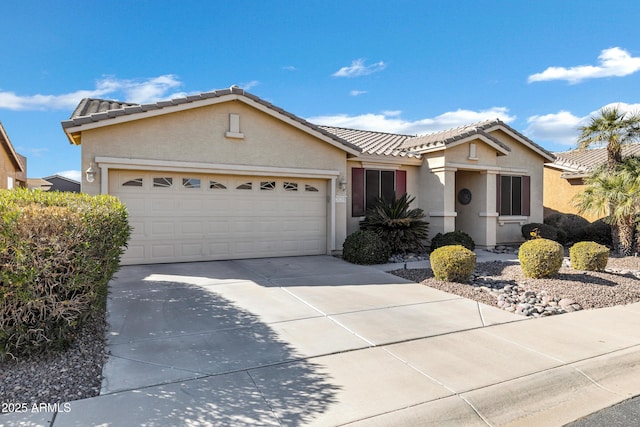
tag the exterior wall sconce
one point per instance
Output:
(342, 183)
(91, 172)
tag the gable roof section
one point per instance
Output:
(481, 130)
(93, 113)
(371, 142)
(13, 155)
(579, 163)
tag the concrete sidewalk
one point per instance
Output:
(317, 341)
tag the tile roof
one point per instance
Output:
(449, 136)
(580, 162)
(92, 110)
(371, 142)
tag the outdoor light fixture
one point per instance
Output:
(91, 173)
(342, 183)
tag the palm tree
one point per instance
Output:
(617, 195)
(613, 128)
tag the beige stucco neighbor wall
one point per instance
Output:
(198, 136)
(558, 193)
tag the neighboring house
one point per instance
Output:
(13, 166)
(62, 183)
(564, 177)
(226, 175)
(38, 184)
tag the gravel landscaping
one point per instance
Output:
(72, 374)
(503, 285)
(76, 372)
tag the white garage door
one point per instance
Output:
(194, 217)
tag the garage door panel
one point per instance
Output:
(172, 222)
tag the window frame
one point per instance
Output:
(361, 192)
(505, 188)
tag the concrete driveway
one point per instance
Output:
(317, 341)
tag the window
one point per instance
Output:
(137, 182)
(162, 182)
(190, 182)
(268, 185)
(290, 186)
(513, 195)
(310, 188)
(215, 185)
(245, 186)
(367, 185)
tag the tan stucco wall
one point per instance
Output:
(413, 185)
(198, 135)
(446, 172)
(559, 192)
(522, 158)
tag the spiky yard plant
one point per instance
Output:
(398, 224)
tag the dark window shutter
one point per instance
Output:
(526, 195)
(401, 183)
(357, 192)
(498, 192)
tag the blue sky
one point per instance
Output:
(396, 66)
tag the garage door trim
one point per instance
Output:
(107, 163)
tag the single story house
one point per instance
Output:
(226, 174)
(564, 177)
(13, 166)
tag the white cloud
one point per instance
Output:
(391, 121)
(71, 174)
(358, 68)
(563, 127)
(357, 92)
(249, 85)
(613, 62)
(137, 90)
(289, 68)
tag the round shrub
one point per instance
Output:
(540, 258)
(365, 247)
(452, 238)
(537, 230)
(453, 263)
(589, 256)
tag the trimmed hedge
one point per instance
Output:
(540, 258)
(453, 263)
(58, 252)
(589, 256)
(365, 247)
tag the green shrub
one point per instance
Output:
(537, 230)
(365, 247)
(58, 252)
(453, 263)
(571, 228)
(452, 238)
(540, 258)
(600, 232)
(589, 256)
(401, 228)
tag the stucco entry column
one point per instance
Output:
(447, 177)
(489, 213)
